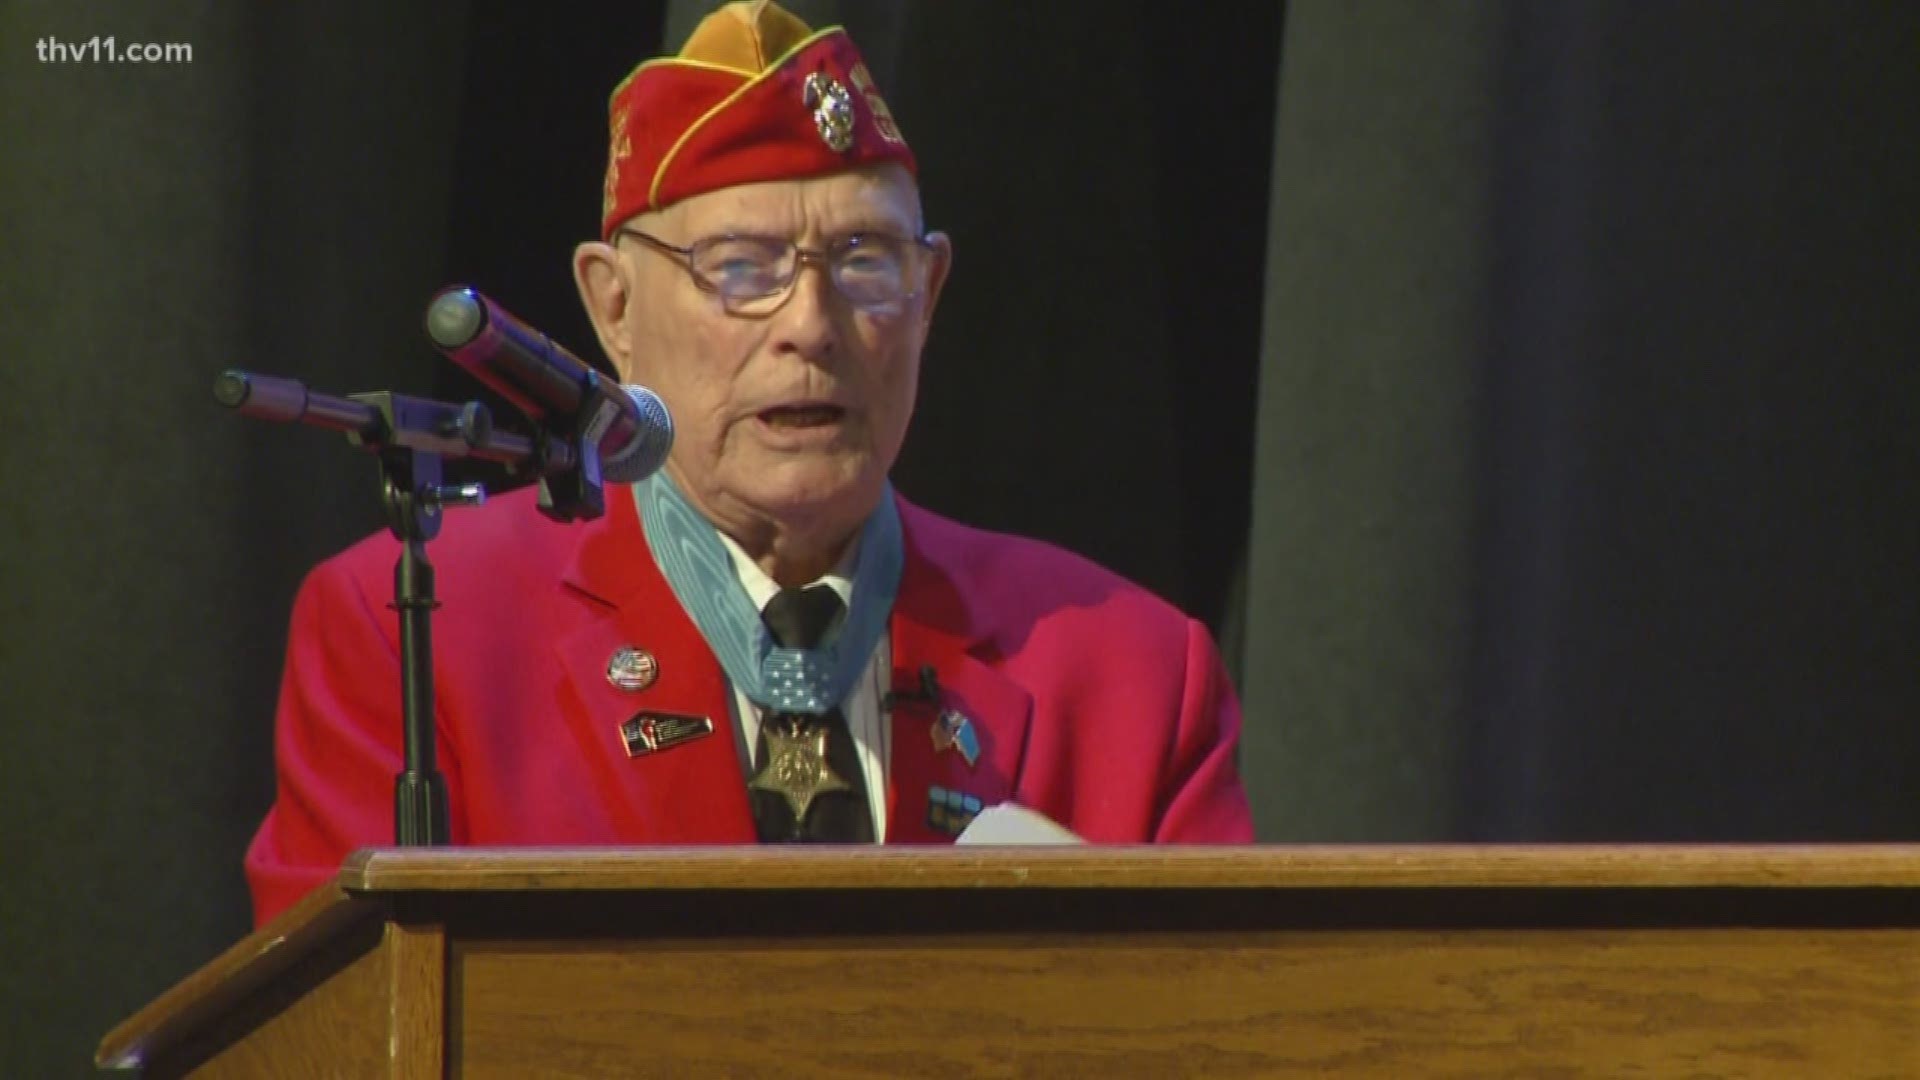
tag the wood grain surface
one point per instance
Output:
(416, 1000)
(1737, 1003)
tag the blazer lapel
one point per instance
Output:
(689, 793)
(933, 629)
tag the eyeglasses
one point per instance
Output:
(753, 274)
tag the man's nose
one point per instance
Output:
(806, 320)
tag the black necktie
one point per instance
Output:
(801, 619)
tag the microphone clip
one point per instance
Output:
(576, 492)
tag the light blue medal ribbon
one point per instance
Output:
(697, 566)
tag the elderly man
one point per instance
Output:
(762, 642)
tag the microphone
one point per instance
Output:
(629, 424)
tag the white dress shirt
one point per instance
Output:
(861, 706)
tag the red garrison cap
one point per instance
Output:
(754, 95)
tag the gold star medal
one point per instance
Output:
(796, 766)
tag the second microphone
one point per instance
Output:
(629, 424)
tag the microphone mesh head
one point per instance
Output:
(455, 317)
(653, 437)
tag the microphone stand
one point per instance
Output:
(412, 437)
(413, 495)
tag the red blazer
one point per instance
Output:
(1096, 703)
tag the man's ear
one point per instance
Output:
(604, 292)
(940, 263)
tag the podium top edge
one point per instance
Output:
(750, 868)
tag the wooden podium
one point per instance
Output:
(1064, 962)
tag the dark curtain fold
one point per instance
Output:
(278, 204)
(1698, 589)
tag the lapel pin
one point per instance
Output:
(632, 669)
(648, 732)
(950, 812)
(953, 731)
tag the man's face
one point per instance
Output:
(794, 416)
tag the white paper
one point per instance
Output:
(1011, 823)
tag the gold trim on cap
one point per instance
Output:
(674, 61)
(659, 174)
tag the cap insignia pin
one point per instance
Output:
(832, 109)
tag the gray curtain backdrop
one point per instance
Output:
(1585, 503)
(1523, 389)
(1359, 595)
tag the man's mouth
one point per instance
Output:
(806, 415)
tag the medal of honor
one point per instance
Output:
(796, 767)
